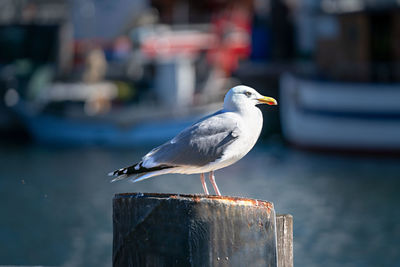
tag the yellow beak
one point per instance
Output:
(267, 100)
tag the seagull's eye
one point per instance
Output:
(248, 94)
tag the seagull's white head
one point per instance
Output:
(242, 97)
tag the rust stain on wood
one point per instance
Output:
(197, 198)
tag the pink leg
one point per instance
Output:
(214, 184)
(203, 183)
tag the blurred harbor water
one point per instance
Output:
(56, 202)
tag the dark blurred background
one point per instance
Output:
(89, 86)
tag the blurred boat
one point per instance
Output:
(50, 129)
(79, 114)
(340, 116)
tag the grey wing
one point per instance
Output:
(198, 145)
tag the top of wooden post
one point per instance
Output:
(201, 198)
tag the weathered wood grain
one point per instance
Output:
(193, 230)
(198, 230)
(284, 228)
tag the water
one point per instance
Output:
(56, 209)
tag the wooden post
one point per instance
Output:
(193, 230)
(284, 228)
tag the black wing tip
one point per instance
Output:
(119, 172)
(135, 169)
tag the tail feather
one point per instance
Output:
(118, 178)
(136, 169)
(146, 175)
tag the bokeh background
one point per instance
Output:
(89, 86)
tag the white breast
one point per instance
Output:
(250, 131)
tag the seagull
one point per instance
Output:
(214, 142)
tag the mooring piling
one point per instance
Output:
(198, 230)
